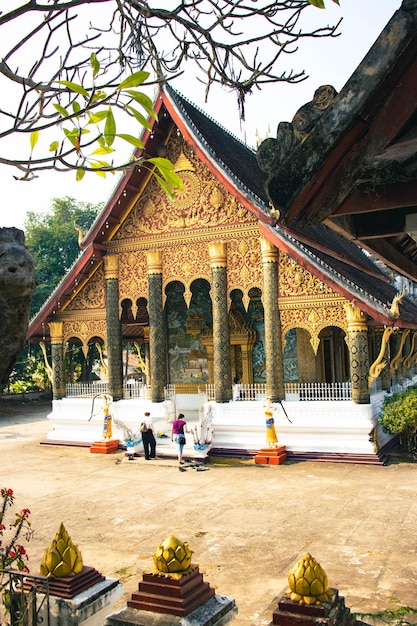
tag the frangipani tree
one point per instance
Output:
(72, 70)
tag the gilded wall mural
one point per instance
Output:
(187, 358)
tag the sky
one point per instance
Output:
(326, 61)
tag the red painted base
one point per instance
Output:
(105, 447)
(331, 613)
(271, 456)
(68, 587)
(161, 594)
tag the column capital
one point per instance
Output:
(356, 319)
(269, 252)
(111, 266)
(154, 261)
(56, 330)
(218, 253)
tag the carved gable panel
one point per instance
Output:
(202, 203)
(92, 295)
(294, 280)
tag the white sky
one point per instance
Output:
(326, 61)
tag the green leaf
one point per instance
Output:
(76, 107)
(140, 118)
(79, 175)
(164, 185)
(34, 136)
(94, 62)
(54, 146)
(97, 117)
(144, 100)
(99, 95)
(110, 127)
(133, 80)
(72, 135)
(131, 139)
(103, 150)
(101, 141)
(74, 87)
(61, 110)
(166, 169)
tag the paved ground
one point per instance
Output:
(247, 524)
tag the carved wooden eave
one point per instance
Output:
(356, 168)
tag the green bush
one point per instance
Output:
(399, 417)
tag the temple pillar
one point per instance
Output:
(222, 363)
(114, 331)
(274, 362)
(157, 331)
(58, 362)
(357, 332)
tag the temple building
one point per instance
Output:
(221, 285)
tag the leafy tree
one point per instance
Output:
(71, 70)
(52, 239)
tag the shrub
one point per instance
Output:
(399, 417)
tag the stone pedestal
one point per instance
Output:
(217, 611)
(331, 613)
(175, 596)
(168, 601)
(82, 600)
(105, 447)
(271, 456)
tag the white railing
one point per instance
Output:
(318, 391)
(136, 391)
(257, 391)
(86, 390)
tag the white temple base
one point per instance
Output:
(72, 424)
(324, 427)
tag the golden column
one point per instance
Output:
(357, 333)
(114, 330)
(157, 329)
(56, 330)
(222, 363)
(274, 361)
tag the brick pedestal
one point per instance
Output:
(105, 447)
(161, 594)
(271, 456)
(331, 613)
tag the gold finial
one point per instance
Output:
(183, 164)
(63, 558)
(308, 582)
(173, 558)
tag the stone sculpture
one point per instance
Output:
(17, 283)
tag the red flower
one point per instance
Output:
(25, 512)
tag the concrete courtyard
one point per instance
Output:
(246, 524)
